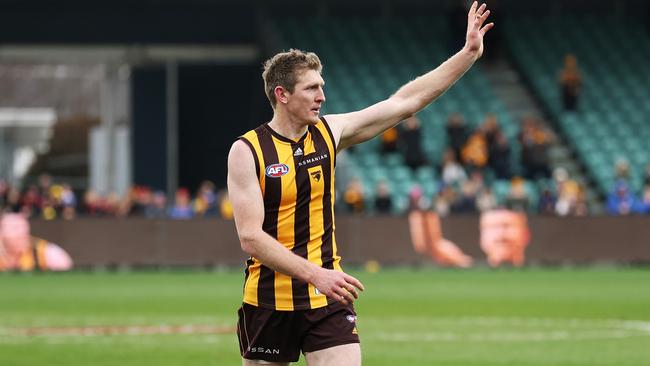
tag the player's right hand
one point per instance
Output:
(337, 285)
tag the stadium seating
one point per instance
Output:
(614, 108)
(366, 60)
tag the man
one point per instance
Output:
(504, 237)
(281, 180)
(21, 252)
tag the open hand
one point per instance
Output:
(475, 28)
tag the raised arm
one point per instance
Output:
(353, 128)
(248, 207)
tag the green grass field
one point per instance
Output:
(596, 316)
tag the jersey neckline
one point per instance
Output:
(286, 139)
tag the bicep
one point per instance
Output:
(244, 189)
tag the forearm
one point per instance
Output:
(426, 88)
(277, 257)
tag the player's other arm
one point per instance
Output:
(356, 127)
(248, 207)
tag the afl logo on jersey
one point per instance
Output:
(276, 170)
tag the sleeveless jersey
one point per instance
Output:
(297, 183)
(31, 259)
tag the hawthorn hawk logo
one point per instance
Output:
(316, 175)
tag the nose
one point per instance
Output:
(320, 98)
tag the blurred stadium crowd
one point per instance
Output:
(50, 201)
(475, 175)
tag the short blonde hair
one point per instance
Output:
(283, 69)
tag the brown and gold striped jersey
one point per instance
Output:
(32, 259)
(297, 183)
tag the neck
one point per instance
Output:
(287, 126)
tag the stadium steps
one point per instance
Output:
(507, 85)
(520, 102)
(611, 120)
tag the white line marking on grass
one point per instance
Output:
(118, 330)
(506, 336)
(475, 329)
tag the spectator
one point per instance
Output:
(444, 200)
(68, 202)
(13, 201)
(490, 129)
(581, 206)
(456, 134)
(622, 170)
(417, 201)
(383, 201)
(620, 200)
(31, 202)
(4, 191)
(141, 198)
(182, 209)
(411, 141)
(534, 149)
(499, 157)
(486, 200)
(547, 202)
(158, 207)
(389, 140)
(517, 199)
(452, 173)
(44, 185)
(225, 206)
(568, 193)
(466, 203)
(205, 203)
(570, 82)
(475, 151)
(354, 197)
(112, 205)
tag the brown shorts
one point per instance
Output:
(280, 336)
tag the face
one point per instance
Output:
(14, 232)
(305, 102)
(503, 230)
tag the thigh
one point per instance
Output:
(267, 335)
(347, 354)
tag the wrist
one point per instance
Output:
(470, 52)
(311, 273)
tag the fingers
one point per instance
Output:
(345, 296)
(483, 17)
(477, 16)
(481, 9)
(486, 28)
(340, 287)
(472, 10)
(354, 282)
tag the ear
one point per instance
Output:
(281, 94)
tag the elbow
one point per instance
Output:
(248, 242)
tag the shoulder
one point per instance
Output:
(241, 152)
